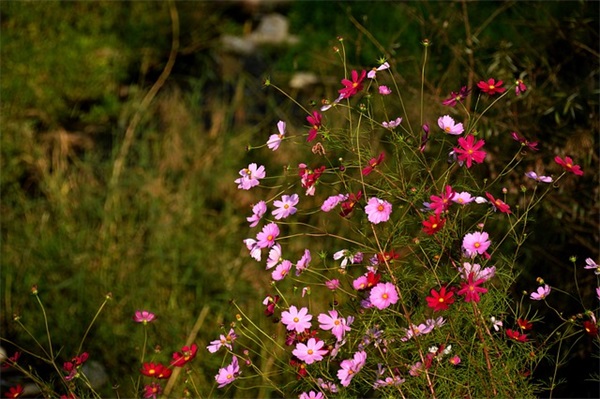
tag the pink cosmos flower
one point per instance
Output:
(383, 295)
(275, 139)
(590, 264)
(258, 210)
(497, 324)
(568, 165)
(143, 316)
(520, 87)
(266, 238)
(228, 374)
(498, 204)
(424, 137)
(351, 87)
(332, 201)
(475, 268)
(337, 325)
(470, 150)
(378, 210)
(303, 263)
(476, 243)
(442, 203)
(360, 283)
(315, 124)
(541, 293)
(350, 367)
(286, 206)
(392, 124)
(384, 90)
(455, 360)
(455, 97)
(294, 319)
(311, 351)
(491, 87)
(542, 179)
(462, 198)
(152, 390)
(250, 176)
(255, 250)
(311, 395)
(373, 162)
(347, 257)
(223, 341)
(471, 289)
(447, 124)
(373, 72)
(275, 256)
(281, 270)
(333, 284)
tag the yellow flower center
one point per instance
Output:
(296, 320)
(477, 245)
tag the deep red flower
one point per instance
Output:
(524, 324)
(568, 165)
(491, 87)
(440, 300)
(350, 203)
(590, 328)
(14, 392)
(389, 256)
(71, 367)
(315, 124)
(300, 366)
(11, 361)
(524, 142)
(309, 177)
(187, 354)
(351, 87)
(270, 302)
(156, 370)
(498, 203)
(469, 150)
(517, 336)
(373, 162)
(372, 279)
(457, 97)
(433, 224)
(152, 390)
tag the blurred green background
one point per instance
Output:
(95, 200)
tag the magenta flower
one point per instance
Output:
(266, 238)
(384, 90)
(462, 198)
(275, 256)
(392, 124)
(152, 390)
(351, 87)
(315, 123)
(373, 162)
(286, 206)
(373, 72)
(442, 203)
(455, 360)
(520, 87)
(455, 97)
(337, 325)
(524, 142)
(294, 319)
(250, 176)
(350, 367)
(471, 289)
(447, 124)
(541, 293)
(590, 264)
(383, 295)
(470, 150)
(281, 270)
(476, 243)
(568, 165)
(228, 374)
(224, 340)
(311, 351)
(143, 316)
(332, 201)
(275, 139)
(491, 87)
(303, 263)
(378, 210)
(498, 204)
(542, 179)
(258, 210)
(333, 284)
